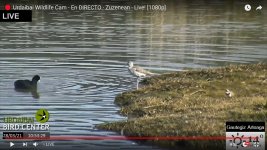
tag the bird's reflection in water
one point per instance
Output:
(34, 92)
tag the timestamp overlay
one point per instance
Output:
(245, 135)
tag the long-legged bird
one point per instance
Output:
(138, 72)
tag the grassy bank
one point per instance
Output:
(193, 103)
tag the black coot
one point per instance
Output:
(27, 84)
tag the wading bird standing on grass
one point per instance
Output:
(139, 72)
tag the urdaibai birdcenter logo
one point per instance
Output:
(27, 123)
(42, 115)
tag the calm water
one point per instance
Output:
(81, 57)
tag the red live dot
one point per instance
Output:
(7, 7)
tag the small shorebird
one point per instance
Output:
(229, 93)
(138, 72)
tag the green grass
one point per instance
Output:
(193, 103)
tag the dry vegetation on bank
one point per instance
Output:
(193, 103)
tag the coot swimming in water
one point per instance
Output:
(27, 84)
